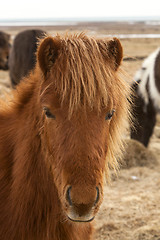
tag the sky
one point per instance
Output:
(36, 9)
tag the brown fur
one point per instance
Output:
(76, 78)
(4, 50)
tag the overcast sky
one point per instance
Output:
(10, 9)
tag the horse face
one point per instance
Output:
(77, 148)
(77, 137)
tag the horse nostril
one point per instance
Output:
(68, 196)
(69, 200)
(97, 198)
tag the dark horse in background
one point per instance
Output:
(22, 57)
(4, 50)
(59, 134)
(147, 98)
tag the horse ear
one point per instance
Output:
(47, 53)
(114, 51)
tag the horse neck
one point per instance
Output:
(35, 207)
(30, 186)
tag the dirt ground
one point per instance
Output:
(131, 206)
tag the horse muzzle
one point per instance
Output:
(82, 207)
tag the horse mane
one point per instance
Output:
(81, 73)
(85, 73)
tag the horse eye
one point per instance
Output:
(109, 115)
(48, 113)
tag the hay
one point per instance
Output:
(137, 155)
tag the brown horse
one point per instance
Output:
(58, 135)
(4, 50)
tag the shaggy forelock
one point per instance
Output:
(82, 74)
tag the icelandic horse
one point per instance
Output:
(60, 132)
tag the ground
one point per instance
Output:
(131, 206)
